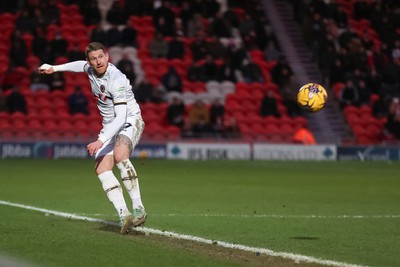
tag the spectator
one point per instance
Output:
(336, 72)
(271, 53)
(356, 76)
(269, 106)
(359, 57)
(217, 112)
(126, 66)
(139, 7)
(3, 100)
(90, 12)
(16, 101)
(226, 72)
(50, 12)
(164, 28)
(252, 72)
(220, 27)
(216, 49)
(374, 81)
(304, 136)
(237, 54)
(78, 102)
(129, 35)
(196, 71)
(379, 58)
(199, 118)
(116, 14)
(348, 95)
(164, 18)
(158, 46)
(247, 26)
(210, 69)
(24, 22)
(289, 98)
(195, 25)
(47, 54)
(39, 81)
(232, 128)
(146, 92)
(281, 72)
(199, 47)
(392, 126)
(18, 51)
(114, 36)
(176, 112)
(176, 48)
(210, 8)
(379, 108)
(38, 19)
(364, 93)
(396, 50)
(186, 15)
(57, 81)
(59, 45)
(75, 53)
(231, 17)
(172, 81)
(39, 42)
(98, 34)
(265, 35)
(179, 30)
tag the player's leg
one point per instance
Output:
(110, 184)
(124, 146)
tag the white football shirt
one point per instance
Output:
(110, 89)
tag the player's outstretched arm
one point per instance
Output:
(74, 66)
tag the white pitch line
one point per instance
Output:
(286, 255)
(274, 216)
(283, 216)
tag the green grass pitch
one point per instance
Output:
(342, 211)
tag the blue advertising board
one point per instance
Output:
(49, 150)
(369, 153)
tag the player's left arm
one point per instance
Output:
(111, 129)
(118, 94)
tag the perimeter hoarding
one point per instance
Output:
(208, 151)
(294, 152)
(49, 150)
(369, 153)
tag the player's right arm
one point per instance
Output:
(74, 66)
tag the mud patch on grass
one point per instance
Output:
(235, 256)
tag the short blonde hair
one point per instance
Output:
(94, 47)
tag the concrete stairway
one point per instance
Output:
(328, 126)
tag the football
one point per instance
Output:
(312, 97)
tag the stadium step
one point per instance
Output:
(327, 126)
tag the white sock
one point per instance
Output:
(131, 182)
(114, 192)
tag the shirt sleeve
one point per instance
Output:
(74, 66)
(112, 128)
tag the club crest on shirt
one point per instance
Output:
(102, 88)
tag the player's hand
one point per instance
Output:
(94, 147)
(46, 69)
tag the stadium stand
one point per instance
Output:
(230, 31)
(356, 41)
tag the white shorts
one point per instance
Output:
(133, 129)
